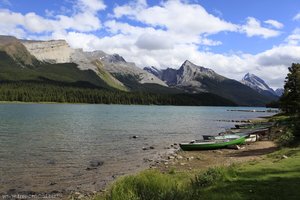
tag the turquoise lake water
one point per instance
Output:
(47, 147)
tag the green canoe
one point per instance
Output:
(211, 144)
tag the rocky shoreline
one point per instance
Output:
(195, 160)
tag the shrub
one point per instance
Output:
(287, 138)
(210, 177)
(149, 185)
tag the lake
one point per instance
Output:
(49, 147)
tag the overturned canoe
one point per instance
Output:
(255, 125)
(211, 144)
(249, 131)
(220, 137)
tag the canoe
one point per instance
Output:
(211, 144)
(252, 138)
(243, 125)
(220, 137)
(247, 131)
(256, 125)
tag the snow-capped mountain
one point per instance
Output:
(258, 85)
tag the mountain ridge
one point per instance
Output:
(16, 50)
(193, 78)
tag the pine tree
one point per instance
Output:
(290, 100)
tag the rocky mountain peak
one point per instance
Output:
(252, 78)
(190, 69)
(279, 91)
(257, 84)
(188, 65)
(116, 58)
(153, 70)
(5, 39)
(187, 62)
(187, 75)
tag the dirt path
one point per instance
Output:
(190, 160)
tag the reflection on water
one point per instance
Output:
(46, 147)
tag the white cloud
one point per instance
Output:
(153, 42)
(253, 28)
(209, 42)
(85, 19)
(130, 9)
(282, 55)
(274, 23)
(91, 5)
(36, 24)
(77, 40)
(297, 17)
(294, 38)
(176, 16)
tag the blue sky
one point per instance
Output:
(232, 37)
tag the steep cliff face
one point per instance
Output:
(53, 51)
(16, 50)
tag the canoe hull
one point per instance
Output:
(221, 137)
(211, 145)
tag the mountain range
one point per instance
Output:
(192, 78)
(55, 61)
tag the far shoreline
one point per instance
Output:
(70, 103)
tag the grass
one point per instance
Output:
(108, 78)
(273, 177)
(281, 118)
(149, 185)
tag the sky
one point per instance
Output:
(232, 37)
